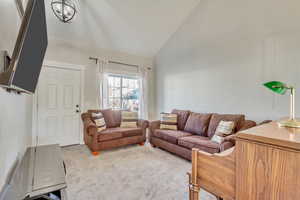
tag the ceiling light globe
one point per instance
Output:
(64, 10)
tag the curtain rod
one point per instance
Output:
(115, 62)
(120, 63)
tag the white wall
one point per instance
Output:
(62, 51)
(15, 110)
(219, 58)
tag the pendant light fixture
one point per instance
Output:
(64, 10)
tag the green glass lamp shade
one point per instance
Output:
(276, 86)
(282, 88)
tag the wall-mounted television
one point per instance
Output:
(24, 67)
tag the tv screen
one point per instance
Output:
(29, 51)
(33, 49)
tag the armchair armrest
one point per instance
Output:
(144, 124)
(90, 127)
(154, 125)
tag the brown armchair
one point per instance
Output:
(114, 136)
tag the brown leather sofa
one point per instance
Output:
(182, 141)
(113, 136)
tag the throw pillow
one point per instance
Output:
(99, 121)
(197, 124)
(216, 118)
(168, 121)
(129, 119)
(224, 129)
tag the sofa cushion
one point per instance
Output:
(170, 135)
(198, 123)
(109, 118)
(216, 118)
(182, 117)
(199, 142)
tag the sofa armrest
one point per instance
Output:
(154, 125)
(143, 123)
(226, 145)
(265, 122)
(247, 124)
(230, 138)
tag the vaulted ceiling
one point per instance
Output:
(139, 27)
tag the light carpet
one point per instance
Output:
(129, 173)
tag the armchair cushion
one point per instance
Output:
(109, 117)
(170, 135)
(121, 132)
(197, 123)
(109, 134)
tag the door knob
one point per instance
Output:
(78, 109)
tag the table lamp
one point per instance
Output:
(282, 88)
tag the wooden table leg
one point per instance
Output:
(193, 184)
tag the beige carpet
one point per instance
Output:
(130, 173)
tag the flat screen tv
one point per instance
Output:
(22, 72)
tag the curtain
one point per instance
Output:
(143, 111)
(101, 82)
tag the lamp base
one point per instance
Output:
(289, 123)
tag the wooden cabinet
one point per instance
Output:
(266, 165)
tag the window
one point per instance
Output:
(123, 93)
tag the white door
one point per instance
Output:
(58, 106)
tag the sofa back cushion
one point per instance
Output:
(216, 118)
(182, 116)
(117, 117)
(109, 117)
(197, 123)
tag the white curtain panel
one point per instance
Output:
(101, 82)
(143, 73)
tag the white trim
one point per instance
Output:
(66, 66)
(56, 64)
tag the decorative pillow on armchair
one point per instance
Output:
(168, 121)
(99, 121)
(129, 119)
(224, 129)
